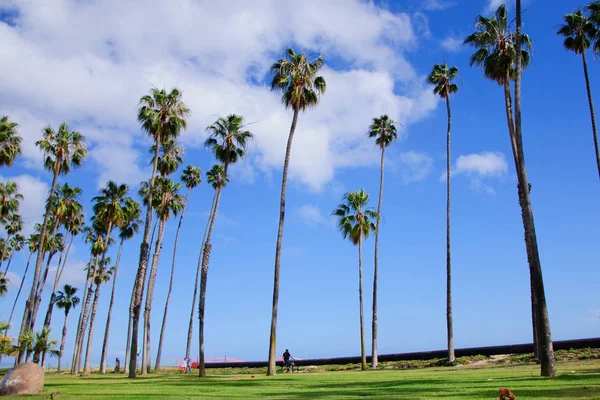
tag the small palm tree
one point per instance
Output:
(44, 345)
(128, 229)
(216, 177)
(296, 77)
(6, 346)
(162, 116)
(191, 177)
(228, 141)
(356, 222)
(441, 78)
(65, 300)
(10, 142)
(579, 32)
(9, 199)
(62, 150)
(168, 202)
(384, 131)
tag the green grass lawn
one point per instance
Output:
(431, 383)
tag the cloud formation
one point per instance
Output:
(480, 168)
(452, 44)
(415, 166)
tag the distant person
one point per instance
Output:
(188, 365)
(288, 359)
(184, 365)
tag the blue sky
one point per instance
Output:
(89, 63)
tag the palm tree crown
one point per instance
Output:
(296, 76)
(109, 204)
(9, 199)
(62, 149)
(495, 42)
(171, 155)
(10, 142)
(66, 299)
(228, 139)
(191, 176)
(354, 220)
(441, 77)
(216, 177)
(131, 223)
(163, 114)
(168, 199)
(579, 31)
(593, 9)
(383, 130)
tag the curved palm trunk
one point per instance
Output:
(593, 116)
(449, 321)
(28, 313)
(62, 340)
(272, 369)
(75, 368)
(203, 280)
(41, 283)
(191, 325)
(88, 352)
(140, 277)
(363, 356)
(149, 298)
(110, 307)
(374, 360)
(59, 267)
(548, 367)
(164, 321)
(9, 262)
(19, 291)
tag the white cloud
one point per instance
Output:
(415, 166)
(73, 274)
(452, 44)
(493, 5)
(88, 63)
(14, 281)
(438, 5)
(479, 168)
(311, 215)
(35, 192)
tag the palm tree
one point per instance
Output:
(10, 142)
(65, 300)
(579, 32)
(101, 275)
(43, 345)
(129, 227)
(16, 244)
(384, 131)
(171, 156)
(68, 212)
(503, 55)
(296, 77)
(168, 201)
(162, 115)
(593, 9)
(9, 199)
(191, 177)
(62, 150)
(4, 281)
(12, 225)
(441, 78)
(355, 221)
(216, 177)
(228, 141)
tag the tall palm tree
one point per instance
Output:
(355, 222)
(579, 32)
(191, 177)
(101, 275)
(62, 149)
(129, 227)
(162, 115)
(441, 78)
(12, 225)
(503, 55)
(10, 142)
(296, 77)
(32, 244)
(384, 131)
(216, 177)
(228, 141)
(65, 300)
(9, 199)
(168, 202)
(68, 212)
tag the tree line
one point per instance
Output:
(502, 51)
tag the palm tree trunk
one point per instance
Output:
(19, 291)
(84, 321)
(449, 321)
(536, 340)
(110, 307)
(363, 356)
(140, 277)
(41, 284)
(128, 343)
(48, 317)
(198, 267)
(374, 360)
(589, 93)
(43, 359)
(149, 298)
(272, 369)
(88, 352)
(203, 281)
(62, 341)
(547, 359)
(9, 262)
(28, 311)
(164, 321)
(79, 322)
